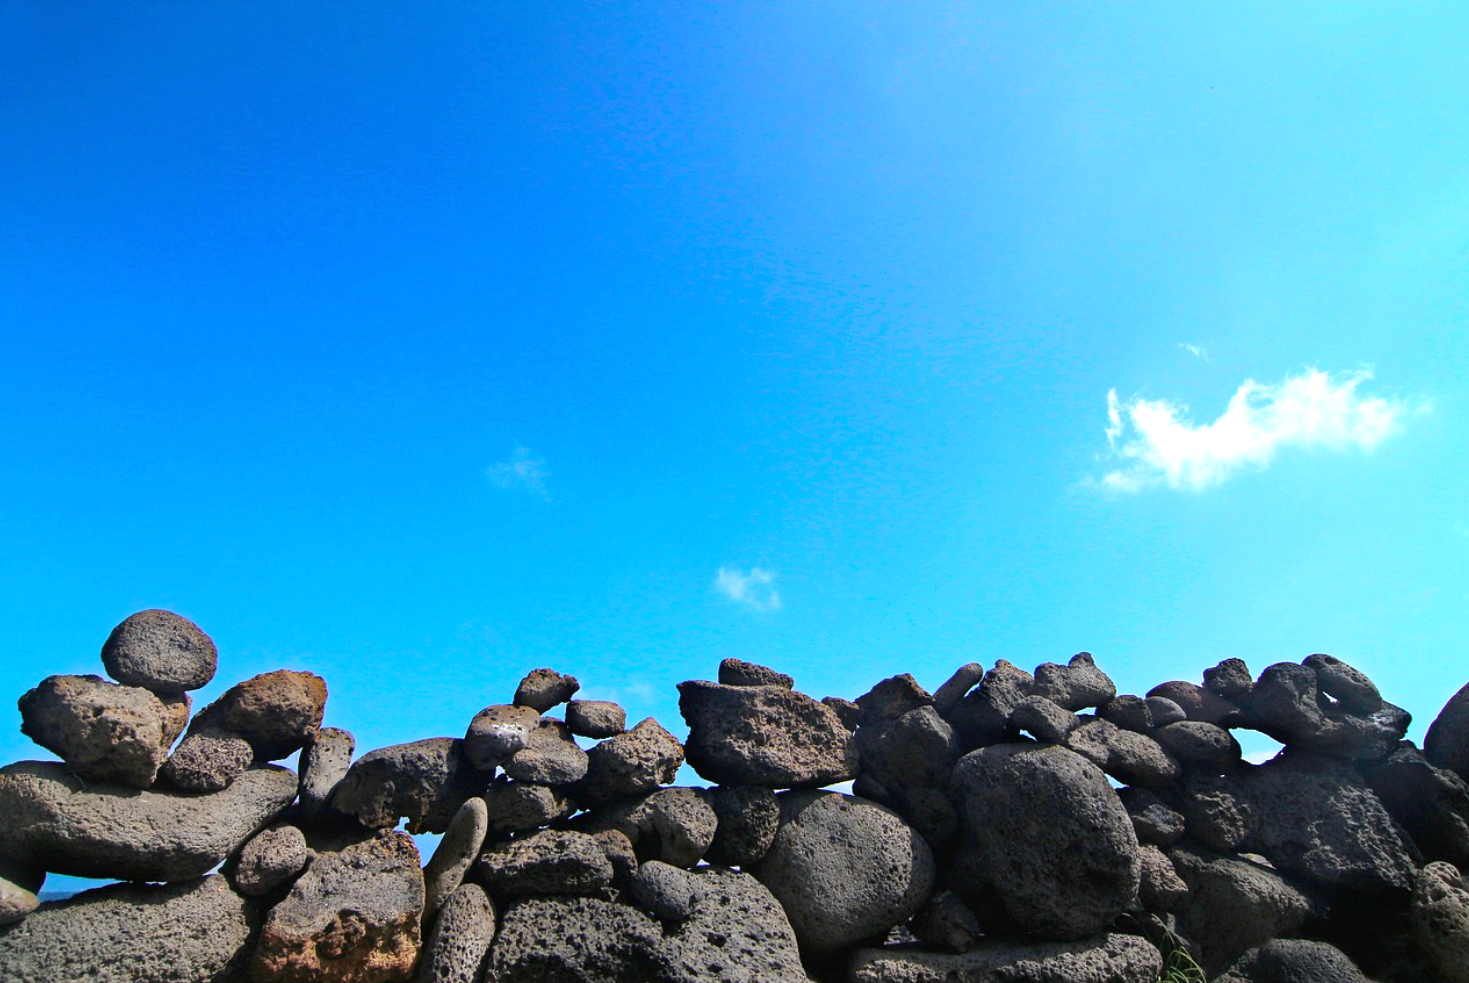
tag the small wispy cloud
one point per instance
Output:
(756, 588)
(1158, 445)
(1197, 351)
(524, 470)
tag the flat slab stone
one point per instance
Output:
(193, 932)
(1104, 959)
(113, 831)
(764, 735)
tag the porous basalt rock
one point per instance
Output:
(747, 818)
(270, 859)
(1075, 686)
(892, 698)
(325, 761)
(551, 756)
(595, 718)
(458, 947)
(104, 732)
(548, 862)
(277, 712)
(1101, 959)
(763, 735)
(208, 761)
(630, 763)
(455, 854)
(497, 732)
(543, 689)
(1233, 905)
(160, 651)
(1439, 916)
(425, 781)
(737, 672)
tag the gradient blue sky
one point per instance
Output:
(419, 345)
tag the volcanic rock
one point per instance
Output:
(595, 718)
(1153, 820)
(1233, 905)
(497, 732)
(666, 892)
(1431, 803)
(847, 711)
(548, 862)
(674, 825)
(1200, 746)
(458, 948)
(517, 807)
(763, 735)
(1293, 961)
(1101, 959)
(455, 854)
(208, 761)
(983, 716)
(550, 756)
(630, 763)
(426, 781)
(104, 732)
(160, 651)
(964, 679)
(1446, 744)
(1198, 703)
(543, 689)
(324, 763)
(269, 859)
(1075, 686)
(1230, 679)
(1043, 719)
(277, 712)
(748, 817)
(892, 698)
(1348, 686)
(737, 672)
(15, 901)
(1439, 915)
(1159, 887)
(1128, 712)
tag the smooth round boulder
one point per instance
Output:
(595, 718)
(15, 902)
(1051, 836)
(1446, 745)
(160, 651)
(455, 854)
(845, 869)
(666, 892)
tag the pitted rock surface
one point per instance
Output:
(551, 756)
(1294, 961)
(892, 698)
(270, 859)
(548, 862)
(425, 781)
(497, 732)
(763, 735)
(1102, 959)
(1347, 685)
(1233, 905)
(208, 761)
(674, 825)
(455, 853)
(595, 718)
(458, 947)
(1431, 803)
(160, 651)
(1198, 703)
(737, 672)
(1439, 916)
(666, 892)
(277, 712)
(518, 807)
(983, 716)
(1075, 686)
(631, 763)
(543, 689)
(69, 827)
(104, 732)
(964, 679)
(747, 818)
(324, 763)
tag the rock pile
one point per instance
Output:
(1011, 826)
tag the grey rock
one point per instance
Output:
(1318, 819)
(1446, 745)
(1069, 876)
(1129, 757)
(324, 763)
(1164, 711)
(176, 709)
(1044, 720)
(454, 855)
(160, 651)
(737, 672)
(517, 807)
(269, 859)
(497, 732)
(737, 932)
(631, 763)
(1230, 679)
(674, 825)
(1128, 712)
(113, 831)
(747, 818)
(550, 756)
(1439, 916)
(1431, 803)
(353, 915)
(1287, 704)
(426, 781)
(1101, 959)
(191, 932)
(1153, 820)
(1294, 961)
(1345, 684)
(104, 732)
(595, 718)
(983, 716)
(618, 848)
(847, 711)
(1233, 905)
(964, 679)
(1075, 686)
(15, 902)
(1200, 746)
(891, 698)
(1217, 814)
(917, 749)
(764, 735)
(844, 869)
(946, 921)
(543, 689)
(208, 761)
(666, 892)
(277, 712)
(1199, 703)
(1159, 887)
(458, 948)
(548, 862)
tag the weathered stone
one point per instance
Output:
(277, 712)
(1439, 915)
(983, 716)
(104, 732)
(1293, 961)
(269, 859)
(1432, 804)
(1200, 746)
(946, 921)
(618, 848)
(737, 672)
(1102, 959)
(208, 761)
(175, 933)
(1446, 745)
(548, 862)
(891, 698)
(1128, 712)
(674, 825)
(1069, 876)
(847, 711)
(1233, 905)
(764, 735)
(324, 763)
(1075, 686)
(454, 855)
(666, 892)
(1198, 703)
(426, 781)
(1159, 887)
(497, 732)
(1286, 704)
(1128, 756)
(543, 689)
(550, 756)
(1153, 820)
(176, 708)
(352, 917)
(1044, 720)
(1230, 679)
(1164, 711)
(630, 763)
(1218, 816)
(964, 679)
(458, 948)
(844, 868)
(1315, 817)
(518, 807)
(595, 718)
(15, 902)
(917, 749)
(160, 651)
(747, 819)
(113, 831)
(1348, 686)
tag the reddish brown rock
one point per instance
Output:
(277, 712)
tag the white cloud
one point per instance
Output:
(1158, 445)
(1197, 351)
(755, 589)
(524, 470)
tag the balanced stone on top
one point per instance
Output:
(630, 763)
(1349, 686)
(1075, 686)
(277, 712)
(763, 735)
(104, 732)
(543, 689)
(737, 672)
(892, 698)
(497, 732)
(160, 651)
(595, 718)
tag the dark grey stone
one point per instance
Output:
(1200, 746)
(269, 859)
(891, 698)
(1233, 905)
(666, 892)
(458, 947)
(674, 825)
(1159, 887)
(550, 756)
(763, 735)
(737, 672)
(595, 718)
(983, 716)
(1294, 961)
(1217, 814)
(543, 689)
(1044, 720)
(277, 712)
(1431, 803)
(630, 763)
(1075, 686)
(324, 763)
(160, 651)
(1446, 745)
(425, 781)
(1230, 679)
(1153, 820)
(497, 732)
(917, 749)
(455, 854)
(1101, 959)
(1199, 703)
(964, 679)
(1439, 919)
(104, 732)
(1164, 711)
(517, 807)
(747, 817)
(1128, 712)
(847, 711)
(947, 922)
(1130, 757)
(548, 862)
(1348, 686)
(208, 761)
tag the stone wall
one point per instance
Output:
(1010, 826)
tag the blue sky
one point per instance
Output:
(422, 345)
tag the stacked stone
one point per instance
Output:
(1009, 826)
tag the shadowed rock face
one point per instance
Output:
(69, 827)
(764, 735)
